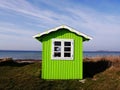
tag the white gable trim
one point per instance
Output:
(63, 26)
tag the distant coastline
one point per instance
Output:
(41, 51)
(102, 51)
(21, 50)
(37, 55)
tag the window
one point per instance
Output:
(62, 49)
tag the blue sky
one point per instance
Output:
(21, 19)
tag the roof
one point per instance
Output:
(60, 27)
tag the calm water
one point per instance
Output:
(37, 54)
(21, 54)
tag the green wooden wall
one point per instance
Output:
(62, 69)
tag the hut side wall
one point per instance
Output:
(62, 69)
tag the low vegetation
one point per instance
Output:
(100, 73)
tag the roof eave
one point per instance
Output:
(66, 27)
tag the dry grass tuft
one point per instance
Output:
(115, 60)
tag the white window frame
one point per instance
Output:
(62, 49)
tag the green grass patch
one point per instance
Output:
(16, 76)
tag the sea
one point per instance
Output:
(37, 55)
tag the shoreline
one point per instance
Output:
(112, 58)
(19, 60)
(27, 60)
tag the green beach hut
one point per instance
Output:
(62, 53)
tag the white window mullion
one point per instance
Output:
(72, 48)
(62, 49)
(53, 48)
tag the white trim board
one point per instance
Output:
(62, 49)
(66, 27)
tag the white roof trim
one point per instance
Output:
(63, 26)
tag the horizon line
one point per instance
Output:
(83, 51)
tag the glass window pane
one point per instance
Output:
(67, 43)
(57, 48)
(67, 49)
(67, 55)
(57, 43)
(57, 54)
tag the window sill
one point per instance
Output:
(62, 58)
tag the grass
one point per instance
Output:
(100, 73)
